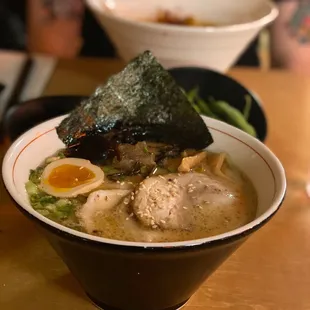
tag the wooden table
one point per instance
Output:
(270, 271)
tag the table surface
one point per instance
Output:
(270, 271)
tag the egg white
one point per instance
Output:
(73, 191)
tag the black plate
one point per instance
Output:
(222, 87)
(25, 115)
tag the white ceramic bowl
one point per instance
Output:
(116, 274)
(248, 153)
(125, 21)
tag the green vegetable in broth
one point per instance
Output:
(35, 175)
(57, 209)
(108, 170)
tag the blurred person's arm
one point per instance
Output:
(54, 27)
(290, 36)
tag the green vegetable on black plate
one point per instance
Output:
(222, 110)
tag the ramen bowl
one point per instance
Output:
(235, 24)
(120, 275)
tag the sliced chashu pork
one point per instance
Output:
(113, 203)
(166, 201)
(97, 204)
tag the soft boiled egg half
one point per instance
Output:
(70, 177)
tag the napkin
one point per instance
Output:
(10, 66)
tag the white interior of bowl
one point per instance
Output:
(249, 154)
(224, 12)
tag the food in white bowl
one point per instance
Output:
(143, 184)
(151, 192)
(131, 27)
(141, 113)
(172, 18)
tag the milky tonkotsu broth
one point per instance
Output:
(182, 196)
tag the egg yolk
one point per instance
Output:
(69, 176)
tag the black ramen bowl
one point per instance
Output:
(222, 87)
(120, 275)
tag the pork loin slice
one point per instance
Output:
(167, 201)
(97, 203)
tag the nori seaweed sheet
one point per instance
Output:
(143, 98)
